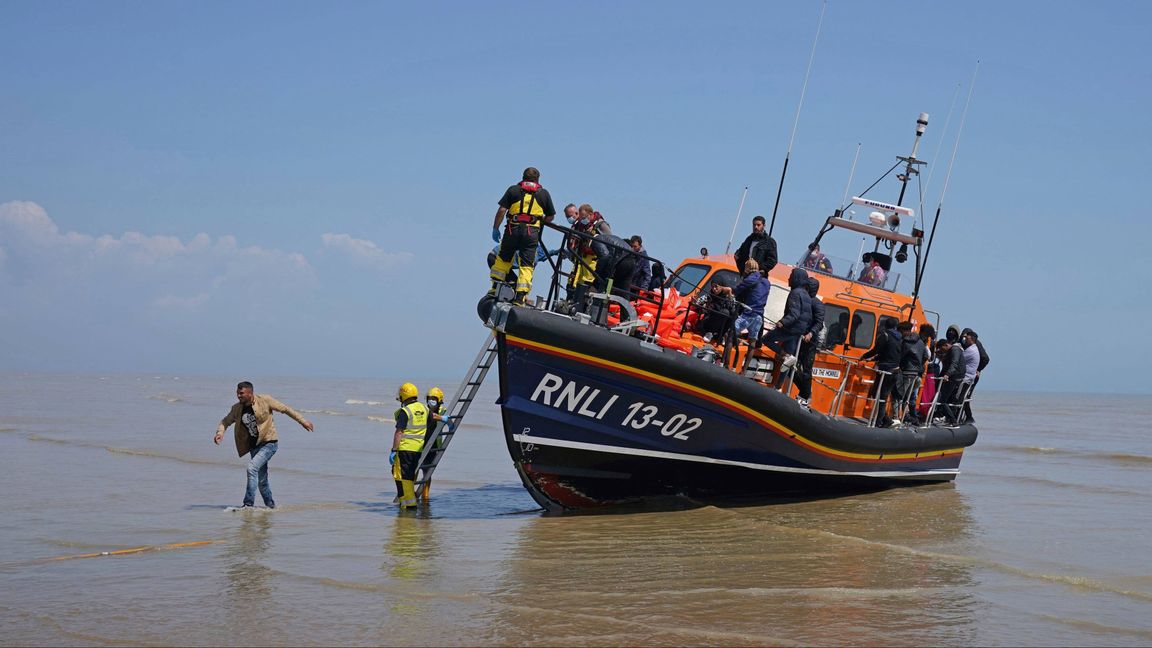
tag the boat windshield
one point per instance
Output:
(857, 271)
(687, 278)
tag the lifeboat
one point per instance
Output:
(619, 401)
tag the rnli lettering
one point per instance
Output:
(581, 399)
(585, 400)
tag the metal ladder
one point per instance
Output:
(431, 455)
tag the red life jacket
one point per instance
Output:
(525, 215)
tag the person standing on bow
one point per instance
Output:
(589, 224)
(913, 356)
(758, 246)
(984, 359)
(614, 262)
(808, 345)
(886, 352)
(971, 357)
(255, 434)
(752, 295)
(642, 276)
(408, 441)
(525, 207)
(797, 319)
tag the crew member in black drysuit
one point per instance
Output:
(794, 324)
(757, 246)
(886, 351)
(523, 209)
(615, 261)
(811, 341)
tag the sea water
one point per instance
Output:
(115, 531)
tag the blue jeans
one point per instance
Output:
(258, 473)
(751, 321)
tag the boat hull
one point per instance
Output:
(596, 418)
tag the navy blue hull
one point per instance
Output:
(592, 418)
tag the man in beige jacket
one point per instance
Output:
(256, 436)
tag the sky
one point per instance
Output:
(307, 189)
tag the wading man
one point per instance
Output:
(255, 434)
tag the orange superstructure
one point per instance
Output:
(841, 381)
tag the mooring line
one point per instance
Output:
(135, 550)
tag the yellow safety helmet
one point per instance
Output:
(406, 391)
(436, 393)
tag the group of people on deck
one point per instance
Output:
(911, 366)
(600, 258)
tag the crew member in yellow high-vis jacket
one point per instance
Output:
(408, 441)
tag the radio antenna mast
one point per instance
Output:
(947, 177)
(739, 211)
(796, 122)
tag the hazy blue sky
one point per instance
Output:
(286, 188)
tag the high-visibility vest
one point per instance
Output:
(527, 210)
(412, 439)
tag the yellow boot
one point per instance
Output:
(409, 498)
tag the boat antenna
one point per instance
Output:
(936, 155)
(739, 211)
(851, 174)
(911, 164)
(947, 177)
(796, 122)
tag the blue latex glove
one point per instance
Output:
(496, 234)
(392, 458)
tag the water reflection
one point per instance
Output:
(248, 575)
(411, 551)
(883, 568)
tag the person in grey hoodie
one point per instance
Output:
(971, 357)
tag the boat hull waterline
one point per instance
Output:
(595, 418)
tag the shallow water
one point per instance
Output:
(1041, 540)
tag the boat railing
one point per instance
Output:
(569, 249)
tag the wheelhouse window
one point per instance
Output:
(835, 326)
(730, 277)
(687, 278)
(863, 329)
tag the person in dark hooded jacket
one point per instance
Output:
(811, 340)
(796, 320)
(952, 376)
(615, 261)
(886, 351)
(912, 358)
